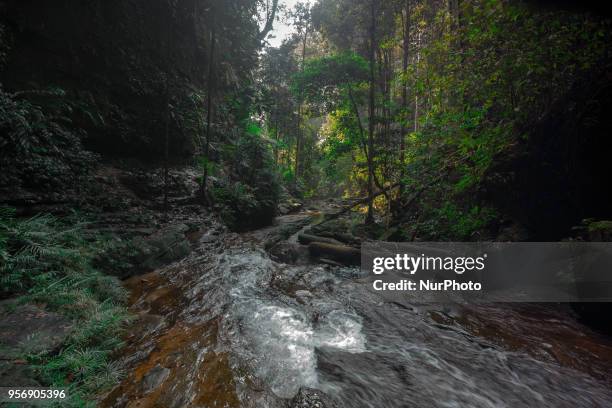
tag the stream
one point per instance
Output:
(229, 327)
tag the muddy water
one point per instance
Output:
(229, 327)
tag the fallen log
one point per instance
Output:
(365, 200)
(340, 253)
(330, 262)
(342, 238)
(306, 239)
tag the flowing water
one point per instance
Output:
(229, 327)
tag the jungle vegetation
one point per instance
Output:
(445, 120)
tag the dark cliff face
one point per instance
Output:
(561, 173)
(120, 62)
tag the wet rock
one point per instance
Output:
(339, 230)
(154, 378)
(303, 296)
(290, 253)
(163, 247)
(151, 322)
(311, 398)
(285, 252)
(289, 207)
(209, 238)
(144, 254)
(30, 329)
(285, 228)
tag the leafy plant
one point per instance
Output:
(48, 261)
(38, 149)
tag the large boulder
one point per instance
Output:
(154, 378)
(28, 329)
(163, 247)
(339, 230)
(289, 253)
(289, 206)
(145, 254)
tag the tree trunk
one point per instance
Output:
(298, 144)
(405, 52)
(416, 92)
(340, 253)
(306, 239)
(277, 138)
(371, 111)
(209, 97)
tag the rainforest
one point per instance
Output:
(186, 186)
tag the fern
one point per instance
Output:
(47, 260)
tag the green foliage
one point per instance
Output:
(238, 200)
(451, 222)
(208, 165)
(481, 86)
(476, 81)
(89, 368)
(253, 129)
(38, 148)
(501, 70)
(188, 117)
(288, 175)
(325, 78)
(49, 261)
(249, 199)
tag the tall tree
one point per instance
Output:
(302, 23)
(209, 106)
(371, 108)
(405, 19)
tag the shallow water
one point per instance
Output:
(235, 328)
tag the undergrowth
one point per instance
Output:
(48, 261)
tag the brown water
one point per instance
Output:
(229, 327)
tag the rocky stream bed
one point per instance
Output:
(249, 320)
